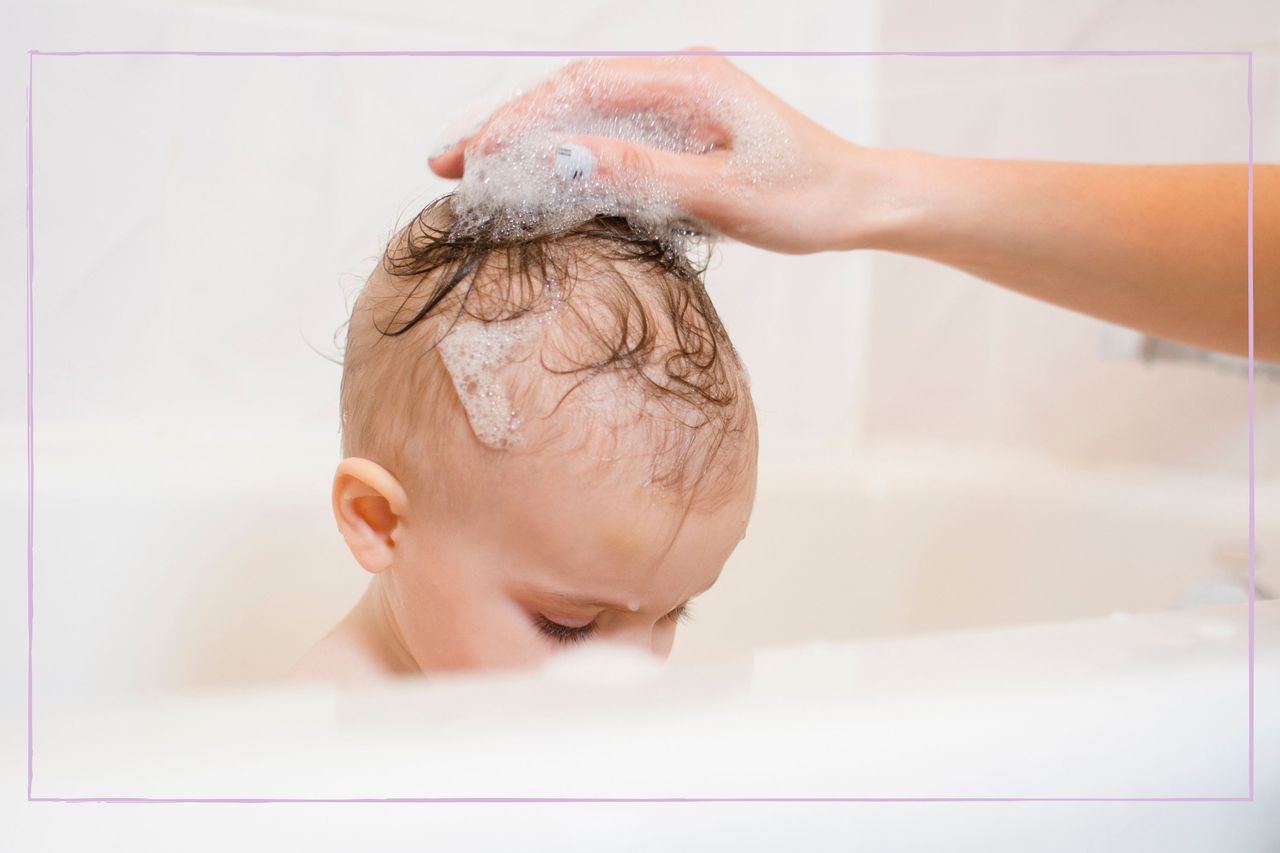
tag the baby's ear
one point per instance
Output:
(370, 506)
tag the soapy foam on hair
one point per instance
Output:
(513, 190)
(471, 353)
(474, 351)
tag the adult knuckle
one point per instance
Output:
(634, 160)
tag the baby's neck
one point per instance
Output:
(374, 620)
(364, 646)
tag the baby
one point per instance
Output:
(548, 440)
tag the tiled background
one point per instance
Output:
(1020, 374)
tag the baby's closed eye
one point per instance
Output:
(573, 634)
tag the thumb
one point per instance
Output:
(687, 178)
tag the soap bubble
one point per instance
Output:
(512, 187)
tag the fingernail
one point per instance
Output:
(574, 162)
(442, 150)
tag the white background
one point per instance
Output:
(200, 221)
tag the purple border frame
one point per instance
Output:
(32, 54)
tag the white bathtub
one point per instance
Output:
(913, 539)
(167, 582)
(1149, 706)
(197, 566)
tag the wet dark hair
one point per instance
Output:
(656, 323)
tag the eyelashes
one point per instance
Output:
(567, 635)
(563, 633)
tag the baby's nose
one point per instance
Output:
(645, 638)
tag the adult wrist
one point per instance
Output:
(888, 197)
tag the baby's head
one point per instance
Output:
(548, 439)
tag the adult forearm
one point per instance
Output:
(1163, 249)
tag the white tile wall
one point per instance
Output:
(1143, 25)
(955, 359)
(1079, 25)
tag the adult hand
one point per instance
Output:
(808, 212)
(1160, 248)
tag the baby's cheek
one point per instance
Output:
(498, 632)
